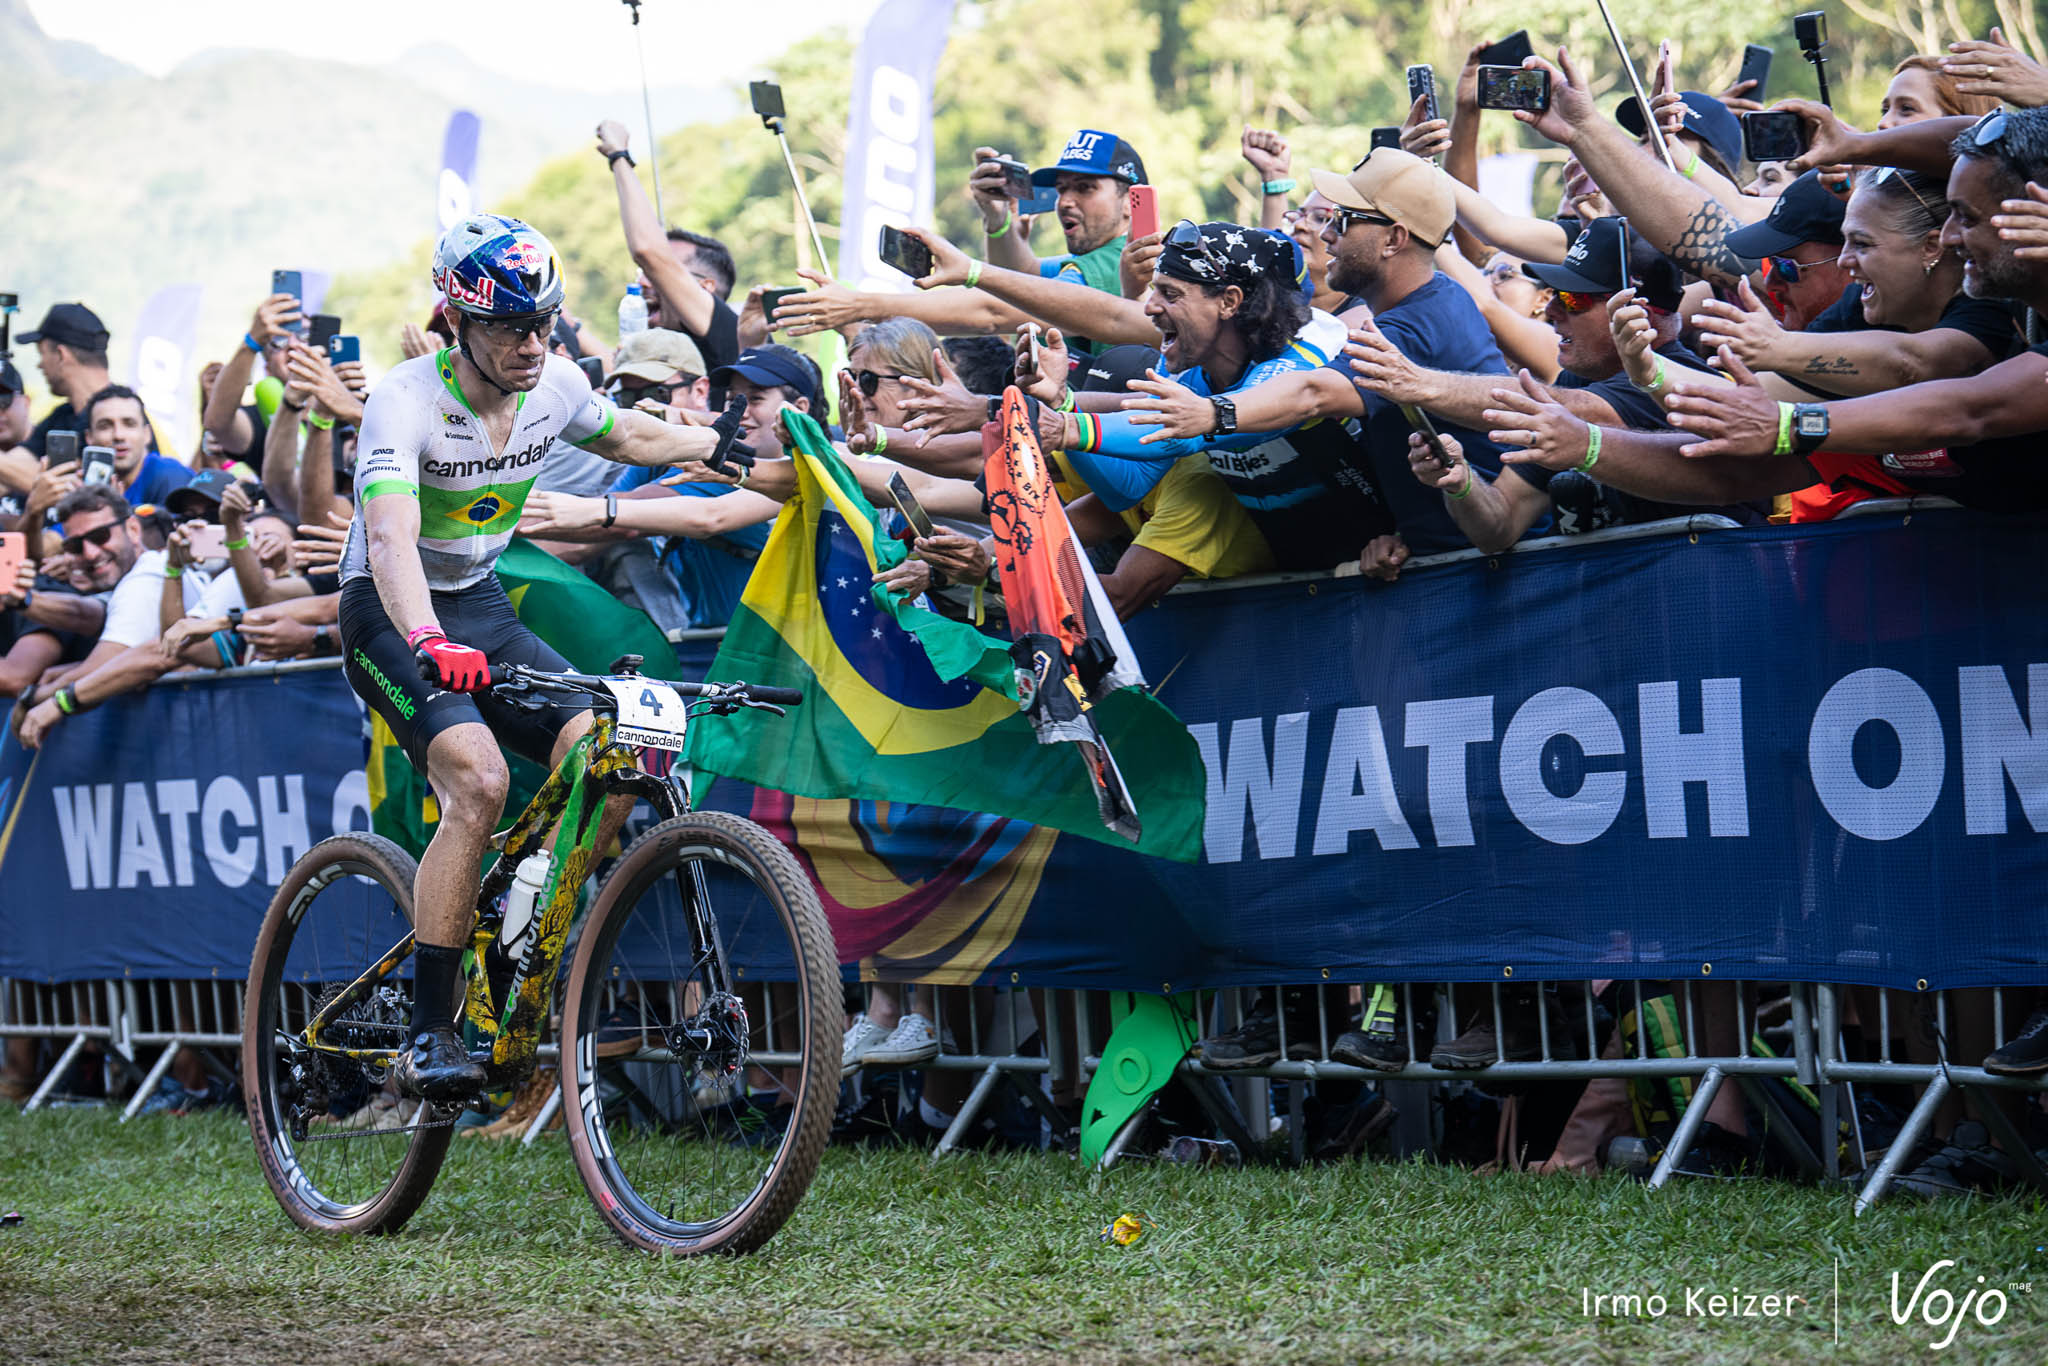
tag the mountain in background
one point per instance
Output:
(240, 162)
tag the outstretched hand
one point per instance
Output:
(1550, 434)
(1176, 412)
(1741, 419)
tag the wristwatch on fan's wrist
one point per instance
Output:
(1809, 427)
(1226, 414)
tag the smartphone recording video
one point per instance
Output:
(905, 253)
(1513, 87)
(1016, 178)
(1422, 86)
(907, 504)
(60, 448)
(99, 465)
(1772, 135)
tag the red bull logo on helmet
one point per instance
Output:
(524, 257)
(461, 291)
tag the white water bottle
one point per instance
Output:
(632, 313)
(527, 882)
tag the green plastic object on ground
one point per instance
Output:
(1149, 1035)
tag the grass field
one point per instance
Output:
(156, 1241)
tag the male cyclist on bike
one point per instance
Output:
(449, 449)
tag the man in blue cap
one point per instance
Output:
(1711, 134)
(1093, 176)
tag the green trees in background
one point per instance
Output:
(1177, 78)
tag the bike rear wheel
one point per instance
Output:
(342, 1152)
(699, 1088)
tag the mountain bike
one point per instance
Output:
(699, 1029)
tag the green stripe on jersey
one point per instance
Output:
(610, 415)
(384, 486)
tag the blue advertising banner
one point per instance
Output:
(1812, 755)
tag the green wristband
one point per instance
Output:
(1278, 186)
(881, 440)
(1692, 168)
(1592, 449)
(319, 423)
(1464, 491)
(998, 230)
(66, 700)
(239, 543)
(1067, 402)
(1784, 446)
(1656, 379)
(973, 274)
(172, 571)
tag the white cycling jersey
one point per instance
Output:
(420, 438)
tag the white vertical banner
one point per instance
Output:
(889, 135)
(161, 363)
(455, 187)
(1509, 181)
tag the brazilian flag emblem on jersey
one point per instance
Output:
(904, 705)
(452, 514)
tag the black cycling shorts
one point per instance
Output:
(381, 668)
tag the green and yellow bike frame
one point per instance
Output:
(571, 804)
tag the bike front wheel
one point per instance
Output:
(341, 1150)
(700, 1038)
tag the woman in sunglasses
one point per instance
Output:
(1903, 319)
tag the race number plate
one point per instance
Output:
(650, 713)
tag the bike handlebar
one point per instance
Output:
(520, 675)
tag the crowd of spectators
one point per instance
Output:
(1688, 333)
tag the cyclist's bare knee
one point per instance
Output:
(469, 776)
(576, 729)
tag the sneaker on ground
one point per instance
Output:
(1256, 1042)
(1718, 1155)
(1379, 1049)
(169, 1098)
(913, 1041)
(862, 1035)
(2026, 1053)
(1966, 1165)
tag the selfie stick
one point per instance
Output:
(647, 108)
(1636, 84)
(773, 123)
(1820, 70)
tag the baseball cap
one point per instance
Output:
(1397, 185)
(1706, 118)
(1806, 212)
(1111, 370)
(657, 353)
(1593, 266)
(1094, 152)
(205, 487)
(10, 378)
(70, 325)
(770, 366)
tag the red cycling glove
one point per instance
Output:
(458, 668)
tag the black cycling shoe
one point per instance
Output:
(436, 1067)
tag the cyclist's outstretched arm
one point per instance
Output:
(636, 439)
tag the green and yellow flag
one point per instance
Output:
(903, 705)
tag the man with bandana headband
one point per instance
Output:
(1391, 213)
(1228, 302)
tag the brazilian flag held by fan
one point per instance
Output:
(902, 704)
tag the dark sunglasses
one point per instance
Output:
(1345, 219)
(97, 537)
(519, 329)
(660, 393)
(871, 380)
(1186, 236)
(1886, 173)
